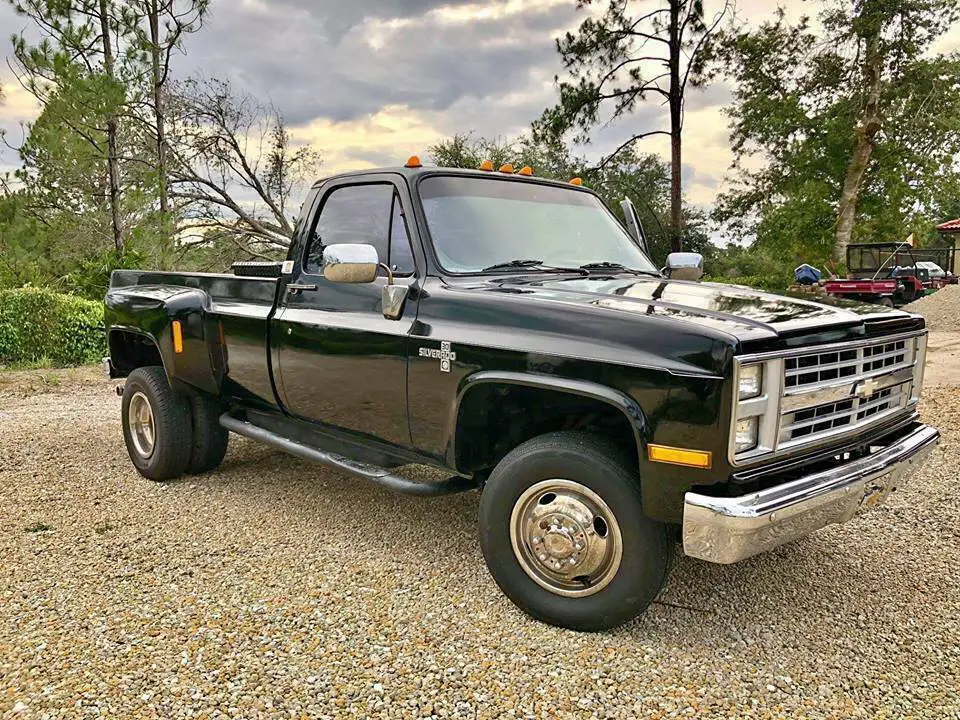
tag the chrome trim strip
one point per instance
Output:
(725, 530)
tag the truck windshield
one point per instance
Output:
(477, 223)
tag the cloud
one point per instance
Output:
(370, 82)
(350, 60)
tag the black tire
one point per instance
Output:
(172, 427)
(209, 437)
(599, 466)
(886, 302)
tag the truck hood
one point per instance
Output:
(746, 314)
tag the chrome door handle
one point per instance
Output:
(296, 287)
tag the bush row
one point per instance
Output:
(39, 325)
(770, 283)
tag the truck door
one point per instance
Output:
(337, 359)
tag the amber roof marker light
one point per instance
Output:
(487, 166)
(525, 170)
(506, 168)
(577, 181)
(414, 162)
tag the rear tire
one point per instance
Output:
(554, 544)
(209, 437)
(156, 423)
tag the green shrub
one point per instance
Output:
(769, 283)
(41, 325)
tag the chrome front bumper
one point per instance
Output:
(725, 530)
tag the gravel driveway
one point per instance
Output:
(274, 588)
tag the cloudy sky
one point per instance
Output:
(373, 81)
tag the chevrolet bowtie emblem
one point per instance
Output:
(866, 388)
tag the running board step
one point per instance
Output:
(374, 473)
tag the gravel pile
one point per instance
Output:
(274, 588)
(941, 309)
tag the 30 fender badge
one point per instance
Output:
(445, 355)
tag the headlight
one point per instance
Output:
(746, 437)
(750, 383)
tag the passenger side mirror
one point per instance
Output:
(350, 263)
(684, 266)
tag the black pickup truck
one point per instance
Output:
(510, 331)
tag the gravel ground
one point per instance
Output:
(942, 309)
(274, 588)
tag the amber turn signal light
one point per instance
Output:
(680, 456)
(177, 337)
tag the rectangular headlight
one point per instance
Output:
(746, 434)
(750, 381)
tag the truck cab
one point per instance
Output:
(511, 332)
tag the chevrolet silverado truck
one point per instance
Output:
(510, 331)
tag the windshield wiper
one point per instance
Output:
(535, 264)
(604, 265)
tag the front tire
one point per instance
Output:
(563, 533)
(157, 427)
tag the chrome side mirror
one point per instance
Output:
(358, 263)
(350, 263)
(684, 266)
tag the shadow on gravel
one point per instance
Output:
(774, 599)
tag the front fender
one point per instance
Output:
(583, 388)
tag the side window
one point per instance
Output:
(352, 214)
(401, 254)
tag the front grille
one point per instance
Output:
(813, 395)
(823, 389)
(811, 423)
(820, 368)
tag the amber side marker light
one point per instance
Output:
(487, 166)
(414, 162)
(177, 337)
(525, 170)
(576, 181)
(506, 168)
(679, 456)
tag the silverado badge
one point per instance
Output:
(444, 355)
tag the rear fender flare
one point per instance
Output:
(151, 310)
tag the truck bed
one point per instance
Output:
(238, 307)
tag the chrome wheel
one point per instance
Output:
(142, 427)
(566, 538)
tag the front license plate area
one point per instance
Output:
(876, 491)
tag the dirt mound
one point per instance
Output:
(942, 309)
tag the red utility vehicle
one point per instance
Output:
(886, 274)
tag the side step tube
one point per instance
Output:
(338, 462)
